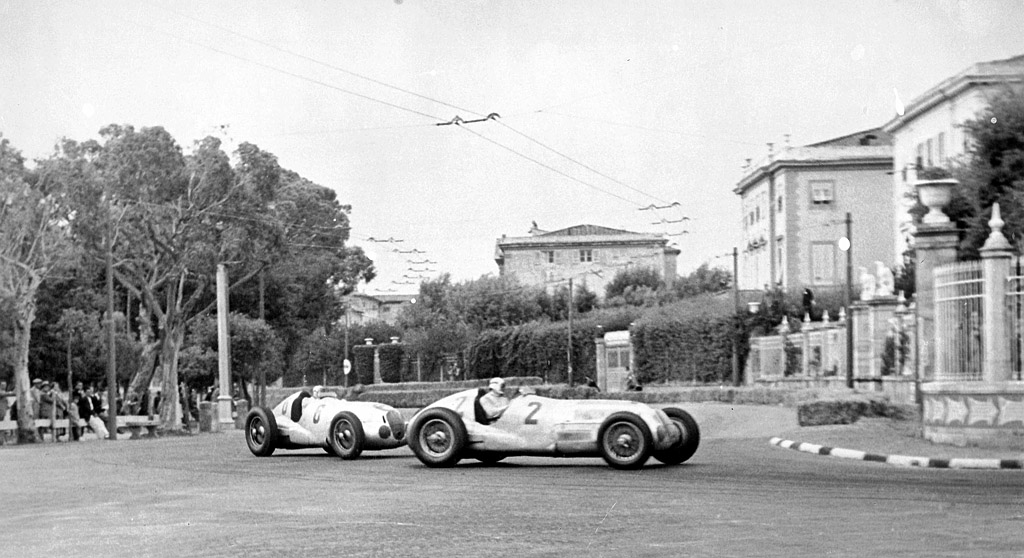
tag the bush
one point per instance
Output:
(687, 341)
(362, 365)
(391, 362)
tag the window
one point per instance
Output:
(823, 263)
(940, 145)
(779, 210)
(920, 156)
(549, 256)
(586, 256)
(929, 153)
(618, 357)
(822, 192)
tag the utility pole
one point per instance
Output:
(736, 309)
(847, 297)
(569, 352)
(262, 395)
(111, 344)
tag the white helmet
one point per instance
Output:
(497, 384)
(318, 391)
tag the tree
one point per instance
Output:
(636, 277)
(34, 246)
(704, 279)
(994, 172)
(254, 347)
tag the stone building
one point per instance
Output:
(795, 203)
(929, 134)
(589, 254)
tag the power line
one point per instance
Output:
(314, 60)
(280, 70)
(531, 159)
(584, 165)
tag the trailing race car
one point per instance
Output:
(624, 433)
(343, 428)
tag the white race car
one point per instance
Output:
(624, 433)
(343, 428)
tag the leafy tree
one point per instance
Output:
(34, 246)
(635, 277)
(255, 348)
(994, 172)
(704, 279)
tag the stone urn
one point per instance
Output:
(935, 194)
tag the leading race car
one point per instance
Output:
(624, 433)
(343, 428)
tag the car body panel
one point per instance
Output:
(535, 425)
(313, 427)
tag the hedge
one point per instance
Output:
(534, 349)
(362, 365)
(691, 343)
(391, 362)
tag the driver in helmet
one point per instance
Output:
(494, 401)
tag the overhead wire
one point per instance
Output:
(281, 70)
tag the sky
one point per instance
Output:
(605, 108)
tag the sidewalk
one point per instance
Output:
(868, 438)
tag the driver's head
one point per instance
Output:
(497, 385)
(318, 391)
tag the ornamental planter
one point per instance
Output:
(935, 195)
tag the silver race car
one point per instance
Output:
(624, 433)
(320, 419)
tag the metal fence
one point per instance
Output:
(959, 319)
(1015, 316)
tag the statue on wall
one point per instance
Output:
(885, 283)
(867, 284)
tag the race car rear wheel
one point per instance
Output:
(438, 437)
(261, 431)
(346, 436)
(687, 445)
(625, 441)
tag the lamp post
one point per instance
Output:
(846, 245)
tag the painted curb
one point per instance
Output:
(901, 460)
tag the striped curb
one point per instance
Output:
(901, 460)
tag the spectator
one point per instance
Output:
(90, 409)
(632, 383)
(74, 431)
(589, 382)
(34, 393)
(47, 407)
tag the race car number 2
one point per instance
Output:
(536, 409)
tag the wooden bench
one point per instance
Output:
(135, 424)
(132, 423)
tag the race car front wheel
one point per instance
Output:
(346, 437)
(687, 444)
(625, 441)
(438, 437)
(261, 431)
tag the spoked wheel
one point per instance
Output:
(261, 431)
(625, 441)
(346, 437)
(687, 444)
(438, 437)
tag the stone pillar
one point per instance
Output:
(376, 366)
(601, 362)
(934, 245)
(996, 256)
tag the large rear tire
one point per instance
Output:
(687, 445)
(261, 431)
(346, 437)
(438, 437)
(625, 441)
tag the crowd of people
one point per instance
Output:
(49, 402)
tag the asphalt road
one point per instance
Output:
(206, 495)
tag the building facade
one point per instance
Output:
(794, 207)
(588, 254)
(929, 132)
(364, 308)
